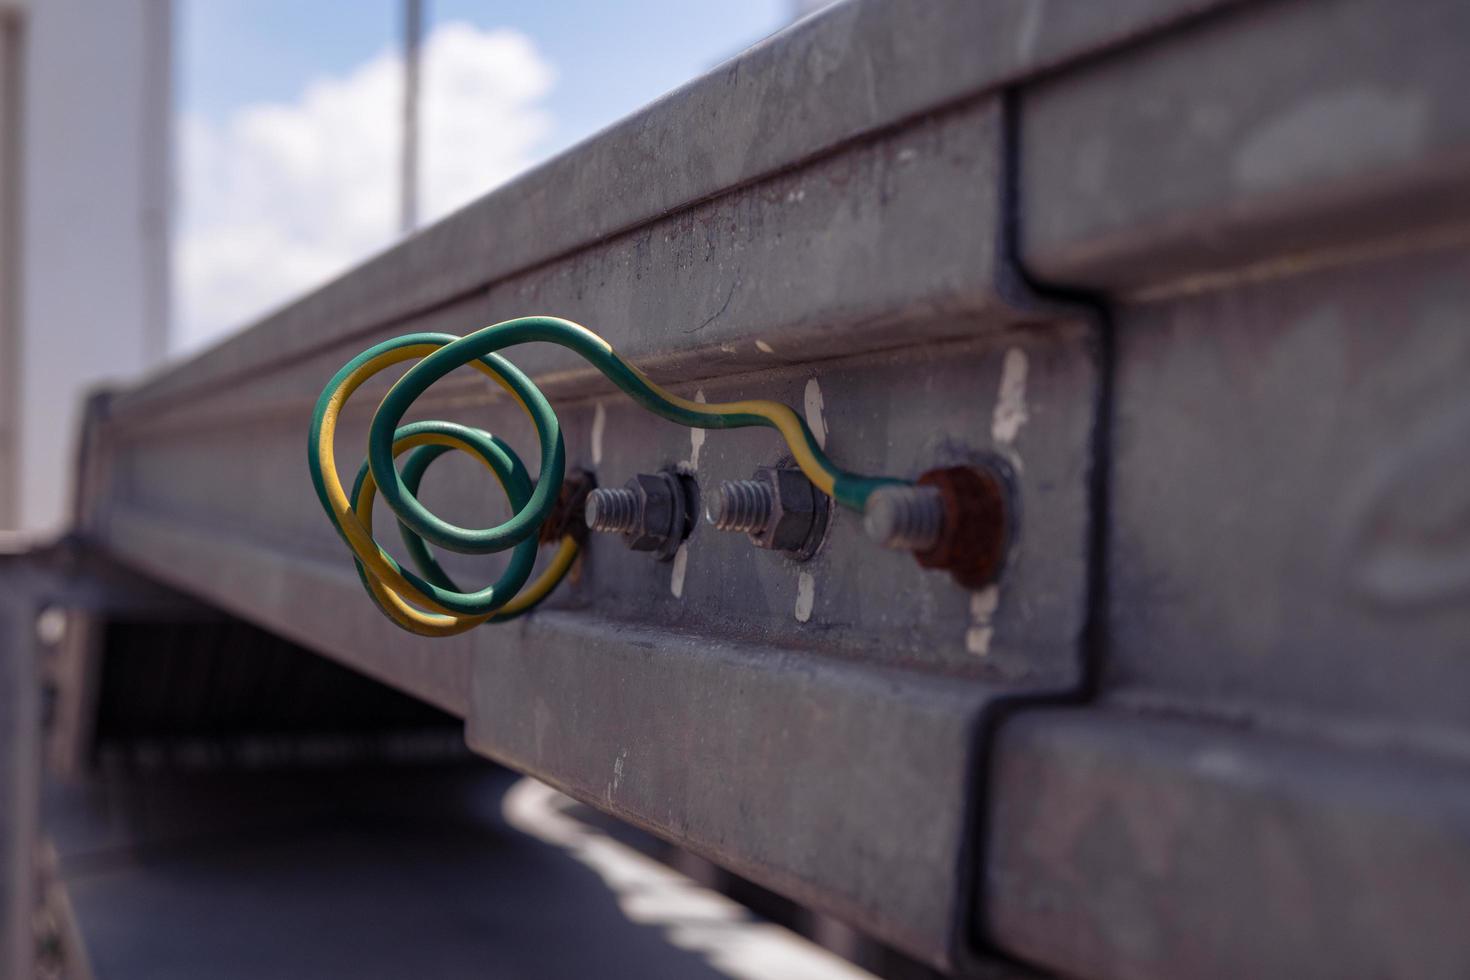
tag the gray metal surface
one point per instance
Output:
(1270, 205)
(1266, 131)
(796, 286)
(785, 767)
(1258, 202)
(1291, 482)
(853, 255)
(1126, 846)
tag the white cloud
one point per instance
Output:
(280, 197)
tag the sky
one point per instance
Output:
(287, 121)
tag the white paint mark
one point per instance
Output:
(696, 437)
(599, 424)
(982, 610)
(681, 568)
(977, 639)
(618, 771)
(806, 596)
(984, 603)
(815, 419)
(764, 347)
(691, 916)
(908, 155)
(1010, 402)
(681, 557)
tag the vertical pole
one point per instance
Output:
(413, 11)
(11, 38)
(155, 195)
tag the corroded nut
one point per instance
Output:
(977, 526)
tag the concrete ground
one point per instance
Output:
(448, 871)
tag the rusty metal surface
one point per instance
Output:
(977, 530)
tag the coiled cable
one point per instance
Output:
(429, 602)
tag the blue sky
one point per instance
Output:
(288, 121)
(611, 57)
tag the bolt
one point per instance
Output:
(740, 505)
(613, 510)
(653, 512)
(958, 519)
(778, 509)
(906, 518)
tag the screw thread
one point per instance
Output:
(905, 518)
(612, 509)
(740, 505)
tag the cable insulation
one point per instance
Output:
(429, 602)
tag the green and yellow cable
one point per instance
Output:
(428, 602)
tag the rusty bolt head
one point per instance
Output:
(566, 517)
(976, 534)
(798, 512)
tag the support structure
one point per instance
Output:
(1193, 273)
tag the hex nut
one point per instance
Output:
(656, 511)
(798, 516)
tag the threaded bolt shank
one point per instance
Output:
(740, 505)
(613, 510)
(906, 518)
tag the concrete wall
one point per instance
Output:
(95, 152)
